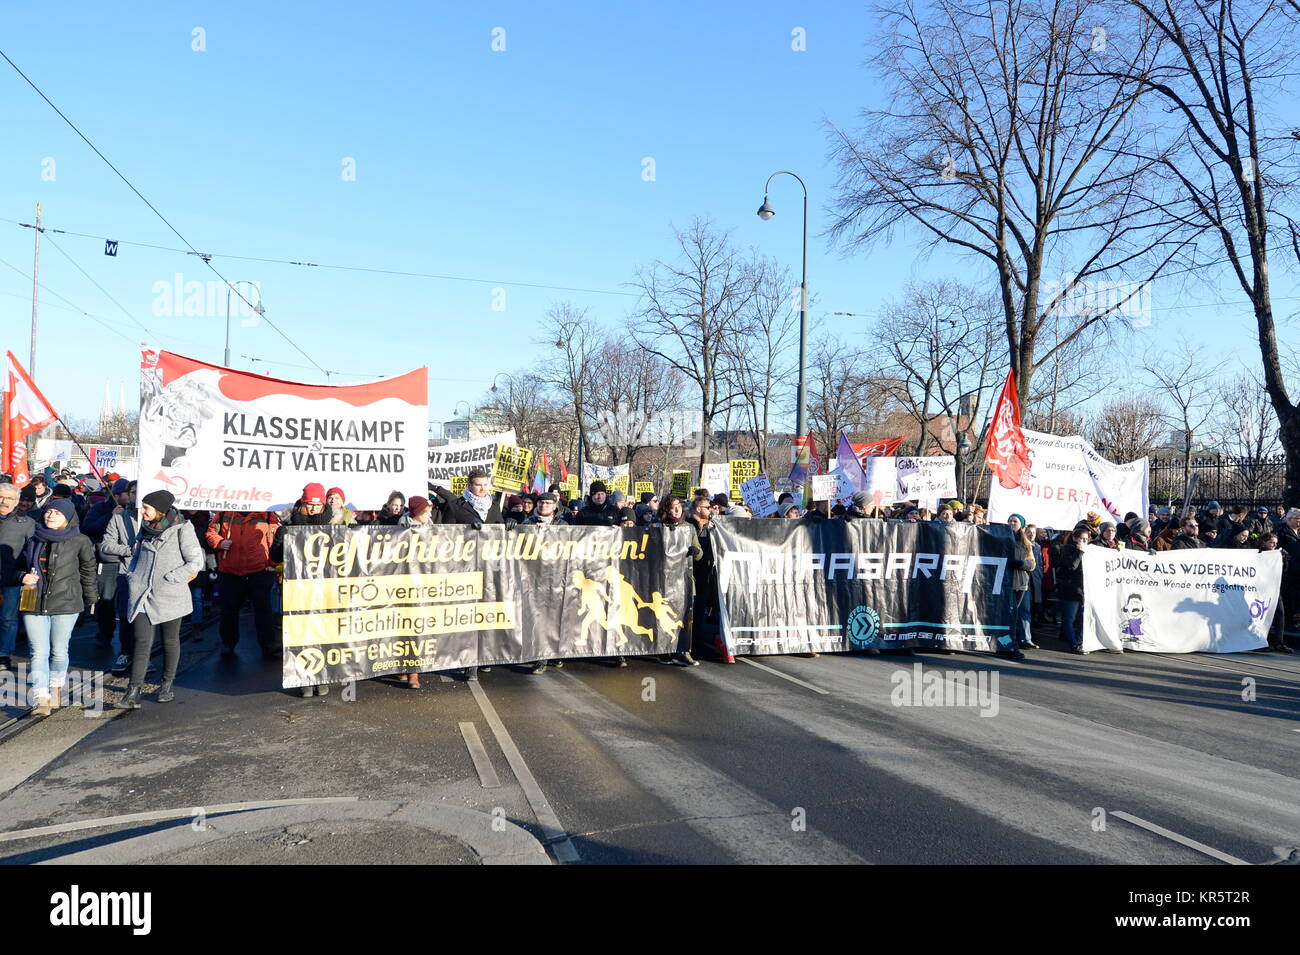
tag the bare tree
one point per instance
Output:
(571, 368)
(1004, 140)
(1126, 429)
(762, 359)
(1235, 154)
(696, 307)
(1189, 391)
(943, 338)
(841, 396)
(629, 395)
(1246, 427)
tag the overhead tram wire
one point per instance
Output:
(207, 259)
(356, 374)
(153, 336)
(76, 308)
(401, 273)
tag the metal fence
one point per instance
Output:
(1225, 478)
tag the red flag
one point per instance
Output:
(1008, 454)
(564, 471)
(25, 412)
(877, 449)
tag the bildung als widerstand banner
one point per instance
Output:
(794, 587)
(227, 440)
(362, 602)
(1179, 601)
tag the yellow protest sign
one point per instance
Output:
(741, 471)
(511, 470)
(644, 487)
(681, 483)
(619, 482)
(459, 482)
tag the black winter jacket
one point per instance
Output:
(454, 509)
(71, 575)
(15, 531)
(1069, 572)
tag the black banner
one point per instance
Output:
(362, 602)
(798, 587)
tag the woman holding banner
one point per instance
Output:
(672, 514)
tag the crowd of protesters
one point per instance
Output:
(78, 549)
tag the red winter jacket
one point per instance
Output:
(250, 535)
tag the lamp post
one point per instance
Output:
(765, 212)
(256, 308)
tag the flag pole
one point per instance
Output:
(89, 460)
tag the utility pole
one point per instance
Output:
(36, 291)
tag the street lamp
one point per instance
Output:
(765, 212)
(258, 309)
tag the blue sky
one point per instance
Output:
(522, 166)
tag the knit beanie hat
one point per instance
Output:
(598, 487)
(64, 507)
(160, 501)
(417, 506)
(313, 494)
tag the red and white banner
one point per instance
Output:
(877, 449)
(1008, 455)
(227, 440)
(1068, 480)
(25, 412)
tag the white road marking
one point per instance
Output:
(553, 833)
(487, 775)
(784, 676)
(1181, 840)
(164, 814)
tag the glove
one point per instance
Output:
(477, 526)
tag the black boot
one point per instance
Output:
(132, 699)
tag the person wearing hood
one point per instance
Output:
(646, 511)
(61, 567)
(859, 508)
(1139, 537)
(393, 510)
(515, 513)
(336, 506)
(788, 511)
(476, 506)
(599, 512)
(16, 530)
(166, 558)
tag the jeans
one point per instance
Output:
(1024, 611)
(49, 635)
(1070, 611)
(235, 590)
(171, 641)
(9, 620)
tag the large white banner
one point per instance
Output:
(226, 440)
(1066, 480)
(456, 460)
(1179, 601)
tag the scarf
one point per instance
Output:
(152, 529)
(482, 505)
(48, 535)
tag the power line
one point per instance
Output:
(355, 374)
(76, 308)
(146, 329)
(339, 268)
(206, 259)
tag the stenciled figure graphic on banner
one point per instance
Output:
(178, 410)
(1135, 623)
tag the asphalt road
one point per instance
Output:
(794, 761)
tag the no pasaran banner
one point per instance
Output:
(227, 440)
